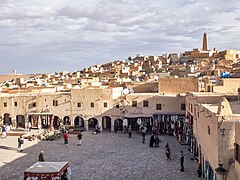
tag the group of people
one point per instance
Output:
(66, 137)
(168, 155)
(154, 141)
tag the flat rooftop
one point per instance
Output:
(235, 106)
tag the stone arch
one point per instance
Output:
(33, 120)
(92, 123)
(20, 121)
(106, 123)
(56, 122)
(6, 119)
(66, 120)
(78, 122)
(118, 125)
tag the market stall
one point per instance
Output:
(46, 171)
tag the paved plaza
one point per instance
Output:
(103, 156)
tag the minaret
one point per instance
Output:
(205, 42)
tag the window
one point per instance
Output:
(5, 104)
(209, 130)
(183, 106)
(145, 103)
(117, 106)
(237, 152)
(105, 104)
(158, 106)
(134, 103)
(79, 104)
(92, 104)
(15, 103)
(32, 105)
(55, 102)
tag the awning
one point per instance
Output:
(46, 169)
(137, 115)
(169, 113)
(40, 113)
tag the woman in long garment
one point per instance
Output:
(151, 142)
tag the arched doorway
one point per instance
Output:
(56, 122)
(92, 123)
(34, 121)
(66, 120)
(106, 123)
(118, 125)
(20, 121)
(78, 122)
(6, 119)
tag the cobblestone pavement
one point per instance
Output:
(102, 156)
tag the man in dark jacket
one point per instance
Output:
(79, 139)
(182, 161)
(41, 157)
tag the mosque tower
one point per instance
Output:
(205, 42)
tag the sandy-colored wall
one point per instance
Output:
(229, 85)
(208, 142)
(177, 85)
(146, 87)
(170, 103)
(237, 140)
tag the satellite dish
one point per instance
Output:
(126, 91)
(131, 90)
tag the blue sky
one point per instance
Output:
(53, 35)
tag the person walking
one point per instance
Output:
(182, 161)
(168, 152)
(199, 171)
(116, 127)
(79, 139)
(65, 137)
(129, 131)
(4, 132)
(29, 126)
(151, 142)
(143, 131)
(157, 141)
(41, 157)
(20, 143)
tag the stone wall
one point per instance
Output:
(177, 85)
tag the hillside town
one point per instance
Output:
(193, 95)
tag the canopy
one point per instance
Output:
(138, 115)
(46, 169)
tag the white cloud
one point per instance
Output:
(73, 34)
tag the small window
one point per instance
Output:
(92, 104)
(32, 105)
(55, 102)
(79, 104)
(45, 100)
(134, 103)
(237, 152)
(158, 106)
(15, 103)
(5, 104)
(145, 103)
(117, 106)
(183, 106)
(209, 130)
(105, 104)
